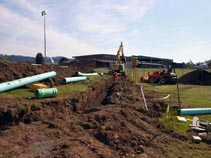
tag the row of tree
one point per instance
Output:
(190, 64)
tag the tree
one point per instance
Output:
(62, 60)
(190, 64)
(4, 58)
(208, 62)
(39, 59)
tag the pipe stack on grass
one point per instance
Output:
(73, 79)
(46, 93)
(194, 111)
(24, 81)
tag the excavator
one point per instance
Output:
(119, 65)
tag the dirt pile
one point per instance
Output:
(197, 77)
(10, 71)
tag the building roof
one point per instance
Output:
(104, 61)
(148, 58)
(139, 57)
(94, 55)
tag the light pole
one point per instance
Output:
(43, 14)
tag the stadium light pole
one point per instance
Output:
(43, 14)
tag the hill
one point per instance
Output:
(28, 59)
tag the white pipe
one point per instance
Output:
(145, 103)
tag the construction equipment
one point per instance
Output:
(160, 77)
(119, 65)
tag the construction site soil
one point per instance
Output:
(109, 120)
(11, 71)
(196, 77)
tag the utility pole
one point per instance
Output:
(43, 14)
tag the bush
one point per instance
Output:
(39, 59)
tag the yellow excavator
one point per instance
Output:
(119, 65)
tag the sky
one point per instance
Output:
(174, 29)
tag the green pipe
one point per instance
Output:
(5, 86)
(194, 111)
(46, 93)
(73, 79)
(86, 74)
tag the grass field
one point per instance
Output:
(191, 96)
(76, 87)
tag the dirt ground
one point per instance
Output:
(11, 71)
(109, 120)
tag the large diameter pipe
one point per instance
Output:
(87, 74)
(5, 86)
(73, 79)
(194, 111)
(46, 93)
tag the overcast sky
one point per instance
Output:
(175, 29)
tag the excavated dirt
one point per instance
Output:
(119, 128)
(197, 77)
(11, 71)
(109, 120)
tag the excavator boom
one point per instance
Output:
(119, 52)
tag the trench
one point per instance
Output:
(96, 96)
(106, 100)
(102, 99)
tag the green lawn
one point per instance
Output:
(75, 87)
(179, 72)
(191, 96)
(78, 87)
(17, 93)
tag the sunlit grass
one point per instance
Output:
(191, 96)
(75, 87)
(17, 93)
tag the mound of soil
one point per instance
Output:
(197, 77)
(10, 71)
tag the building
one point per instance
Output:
(104, 60)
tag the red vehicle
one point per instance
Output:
(160, 78)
